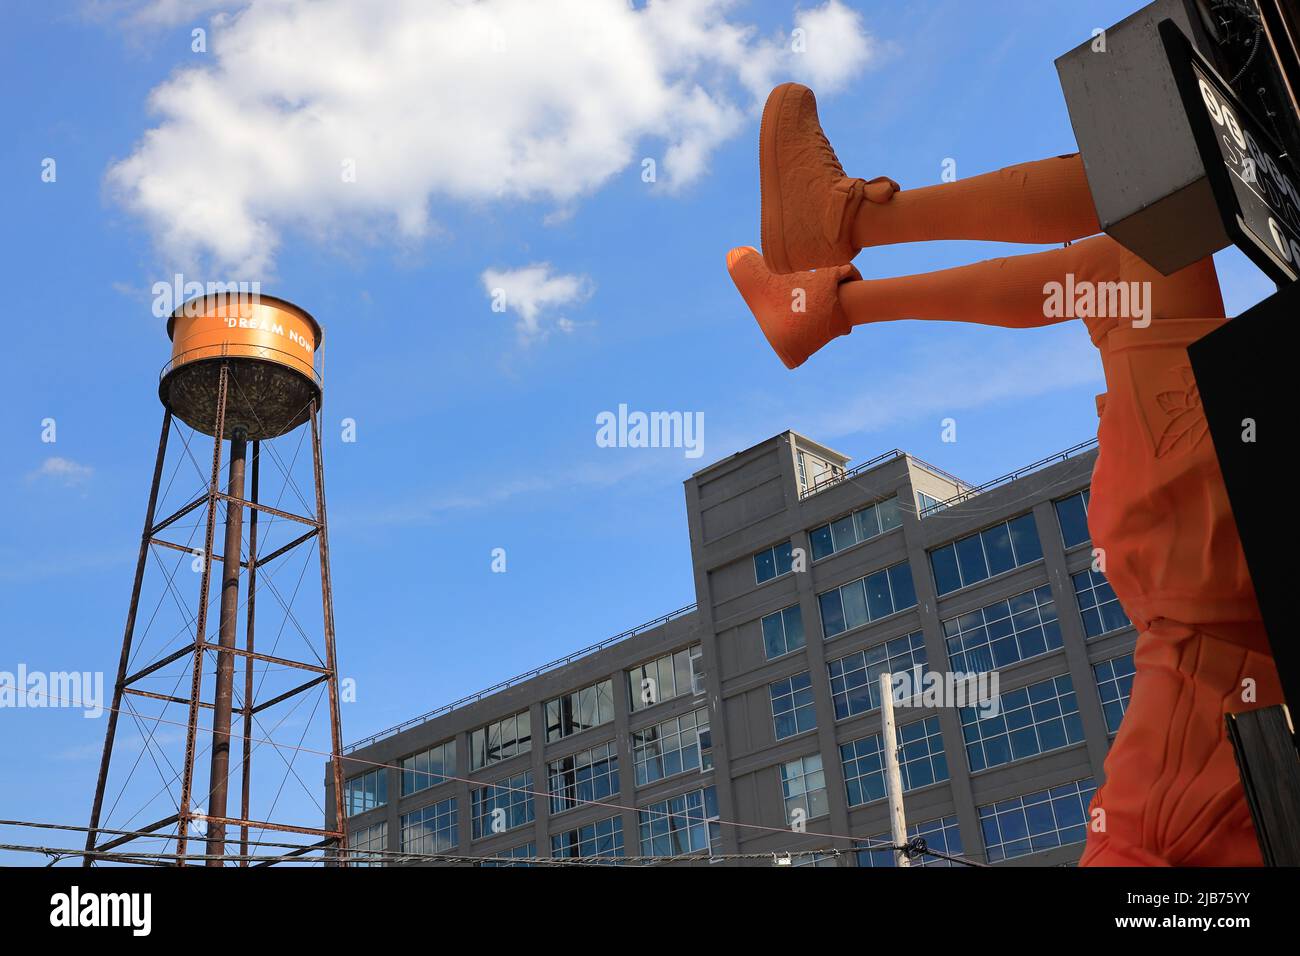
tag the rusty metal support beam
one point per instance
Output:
(186, 810)
(228, 625)
(110, 734)
(134, 692)
(196, 503)
(246, 768)
(267, 509)
(278, 827)
(331, 659)
(180, 547)
(301, 851)
(280, 698)
(288, 547)
(151, 828)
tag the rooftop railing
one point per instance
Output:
(1006, 479)
(827, 482)
(518, 679)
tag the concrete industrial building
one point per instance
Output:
(759, 704)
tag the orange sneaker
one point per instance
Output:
(808, 203)
(798, 313)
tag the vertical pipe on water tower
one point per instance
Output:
(222, 702)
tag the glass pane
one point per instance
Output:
(900, 579)
(855, 604)
(1024, 537)
(878, 601)
(764, 566)
(821, 542)
(944, 563)
(970, 558)
(793, 618)
(832, 613)
(844, 532)
(868, 524)
(1073, 518)
(997, 546)
(773, 636)
(889, 515)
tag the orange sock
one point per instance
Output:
(1039, 202)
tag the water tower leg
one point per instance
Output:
(331, 660)
(248, 661)
(150, 515)
(222, 702)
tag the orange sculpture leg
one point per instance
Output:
(1159, 514)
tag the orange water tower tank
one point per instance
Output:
(269, 346)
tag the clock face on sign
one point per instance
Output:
(1263, 184)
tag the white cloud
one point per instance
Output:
(533, 293)
(836, 44)
(64, 471)
(442, 100)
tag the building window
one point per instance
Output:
(502, 806)
(522, 855)
(1003, 633)
(672, 747)
(793, 711)
(981, 555)
(1114, 686)
(604, 838)
(867, 599)
(583, 778)
(773, 562)
(943, 835)
(368, 846)
(666, 677)
(921, 761)
(1072, 516)
(1098, 606)
(1029, 721)
(687, 823)
(366, 791)
(927, 505)
(854, 528)
(580, 710)
(783, 632)
(855, 680)
(429, 768)
(803, 787)
(430, 829)
(1037, 821)
(501, 740)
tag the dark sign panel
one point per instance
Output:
(1254, 184)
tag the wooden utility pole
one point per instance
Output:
(893, 778)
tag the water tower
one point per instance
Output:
(243, 373)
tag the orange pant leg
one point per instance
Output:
(1172, 795)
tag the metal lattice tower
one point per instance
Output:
(243, 374)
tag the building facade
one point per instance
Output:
(749, 725)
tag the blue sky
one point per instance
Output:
(476, 428)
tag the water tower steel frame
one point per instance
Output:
(269, 344)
